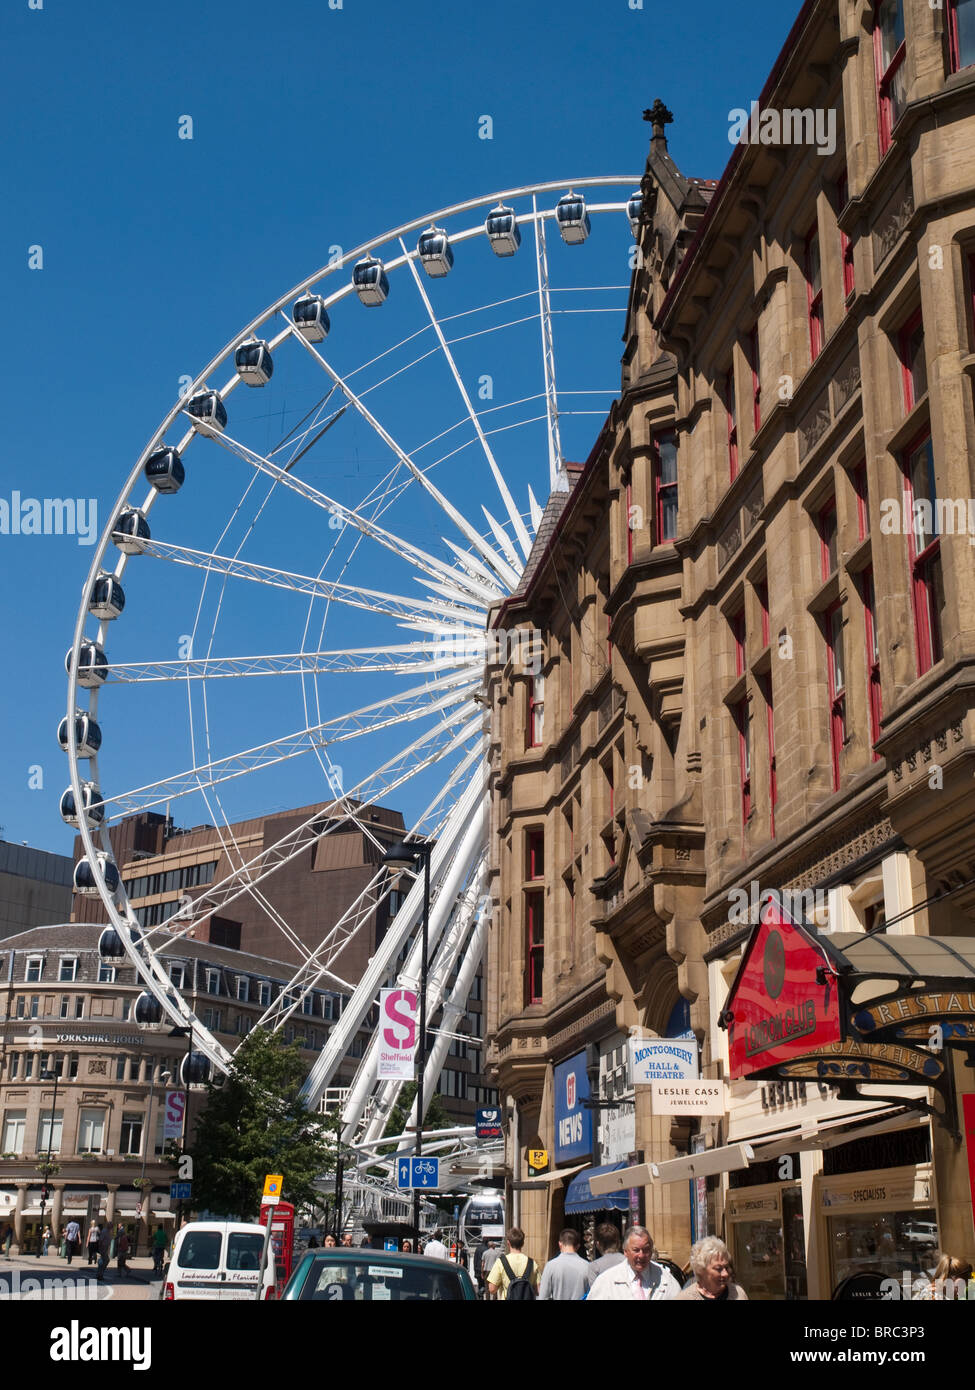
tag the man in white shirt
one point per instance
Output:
(435, 1247)
(637, 1277)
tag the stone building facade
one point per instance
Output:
(762, 586)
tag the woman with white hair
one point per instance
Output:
(711, 1265)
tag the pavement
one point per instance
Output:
(51, 1278)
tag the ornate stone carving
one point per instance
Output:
(891, 223)
(847, 381)
(98, 1066)
(813, 426)
(729, 542)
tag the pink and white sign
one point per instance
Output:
(173, 1115)
(398, 1010)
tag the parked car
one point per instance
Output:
(376, 1276)
(216, 1260)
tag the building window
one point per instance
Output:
(106, 973)
(263, 993)
(308, 1004)
(72, 1066)
(29, 1065)
(534, 945)
(13, 1065)
(20, 1006)
(754, 363)
(859, 478)
(814, 291)
(120, 1066)
(130, 1141)
(49, 1132)
(836, 677)
(732, 410)
(924, 552)
(873, 658)
(827, 538)
(14, 1124)
(243, 985)
(629, 522)
(536, 711)
(35, 968)
(535, 854)
(55, 1063)
(665, 486)
(35, 1005)
(737, 624)
(765, 686)
(761, 591)
(91, 1131)
(79, 1006)
(890, 49)
(913, 365)
(126, 1008)
(212, 981)
(743, 726)
(68, 969)
(212, 1019)
(177, 973)
(846, 245)
(64, 1006)
(961, 33)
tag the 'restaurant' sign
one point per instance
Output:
(856, 1061)
(784, 1002)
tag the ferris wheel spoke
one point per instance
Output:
(405, 659)
(372, 600)
(555, 467)
(506, 575)
(514, 516)
(394, 773)
(407, 706)
(346, 515)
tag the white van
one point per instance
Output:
(218, 1260)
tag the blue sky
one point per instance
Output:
(311, 127)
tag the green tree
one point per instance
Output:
(256, 1123)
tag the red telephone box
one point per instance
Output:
(282, 1243)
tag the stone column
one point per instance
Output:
(57, 1204)
(110, 1202)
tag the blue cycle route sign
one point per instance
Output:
(180, 1191)
(403, 1173)
(426, 1172)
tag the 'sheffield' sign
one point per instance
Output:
(688, 1098)
(784, 1001)
(398, 1009)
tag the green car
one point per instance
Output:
(376, 1276)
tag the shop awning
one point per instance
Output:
(543, 1180)
(580, 1197)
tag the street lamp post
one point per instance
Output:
(406, 855)
(147, 1138)
(180, 1032)
(47, 1075)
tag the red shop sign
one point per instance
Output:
(784, 1001)
(968, 1111)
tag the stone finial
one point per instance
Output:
(660, 116)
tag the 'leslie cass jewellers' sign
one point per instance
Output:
(397, 1034)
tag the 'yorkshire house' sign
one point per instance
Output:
(784, 1002)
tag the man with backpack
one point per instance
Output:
(515, 1275)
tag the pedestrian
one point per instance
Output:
(330, 1242)
(72, 1239)
(158, 1249)
(477, 1265)
(407, 1247)
(91, 1243)
(46, 1240)
(607, 1239)
(711, 1265)
(122, 1249)
(8, 1238)
(951, 1280)
(564, 1278)
(514, 1275)
(347, 1239)
(104, 1250)
(637, 1277)
(435, 1247)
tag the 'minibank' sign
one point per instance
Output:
(784, 1001)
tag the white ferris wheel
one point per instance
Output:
(290, 598)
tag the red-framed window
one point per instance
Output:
(609, 640)
(765, 685)
(744, 733)
(737, 625)
(859, 478)
(836, 678)
(534, 945)
(846, 245)
(535, 731)
(629, 523)
(961, 33)
(924, 553)
(535, 854)
(732, 409)
(609, 836)
(874, 701)
(755, 364)
(761, 589)
(814, 291)
(827, 537)
(890, 49)
(913, 365)
(665, 486)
